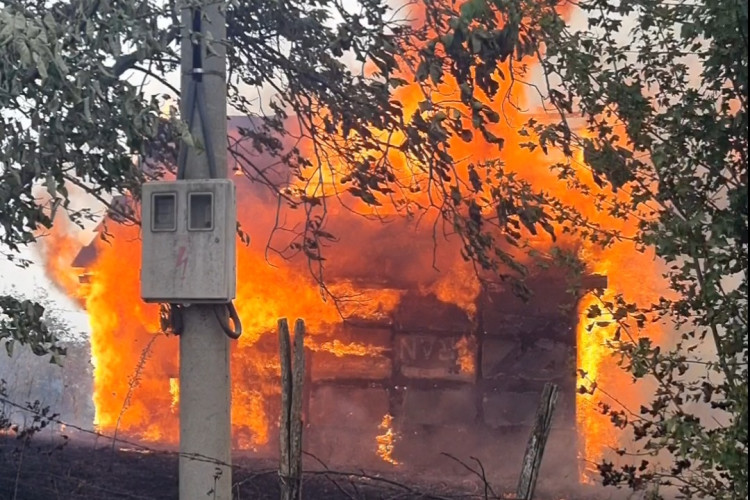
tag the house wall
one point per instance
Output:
(436, 406)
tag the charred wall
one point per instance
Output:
(464, 385)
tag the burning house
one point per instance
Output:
(407, 364)
(448, 381)
(425, 377)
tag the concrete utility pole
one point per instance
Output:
(205, 398)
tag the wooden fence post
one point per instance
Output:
(286, 395)
(532, 459)
(295, 424)
(290, 432)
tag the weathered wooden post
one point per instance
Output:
(292, 386)
(532, 459)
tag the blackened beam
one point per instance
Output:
(594, 281)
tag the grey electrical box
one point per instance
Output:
(189, 241)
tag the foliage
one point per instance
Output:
(53, 368)
(663, 89)
(42, 417)
(77, 112)
(22, 321)
(678, 86)
(47, 360)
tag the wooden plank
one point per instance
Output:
(306, 393)
(594, 281)
(295, 420)
(532, 459)
(286, 397)
(327, 366)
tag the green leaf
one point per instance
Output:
(42, 68)
(24, 52)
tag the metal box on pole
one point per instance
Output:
(189, 241)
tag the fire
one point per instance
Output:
(174, 391)
(592, 354)
(139, 451)
(386, 441)
(636, 276)
(58, 253)
(123, 327)
(466, 360)
(340, 349)
(359, 302)
(136, 388)
(458, 285)
(632, 272)
(250, 416)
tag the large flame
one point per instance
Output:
(135, 367)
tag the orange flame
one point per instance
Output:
(58, 250)
(174, 391)
(340, 349)
(122, 326)
(466, 360)
(386, 441)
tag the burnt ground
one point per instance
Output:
(91, 469)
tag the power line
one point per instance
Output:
(52, 418)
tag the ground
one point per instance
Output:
(92, 469)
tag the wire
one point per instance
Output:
(202, 112)
(232, 333)
(173, 317)
(176, 319)
(182, 156)
(196, 100)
